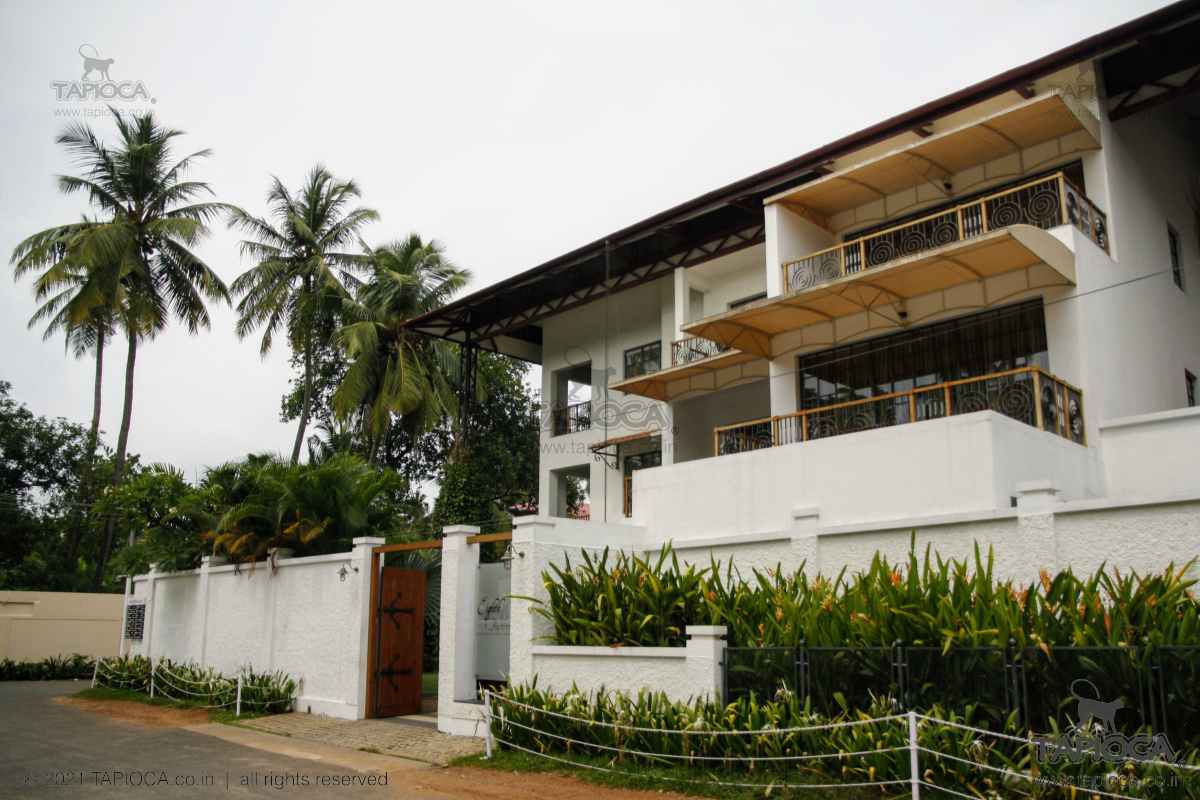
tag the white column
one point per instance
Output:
(525, 627)
(360, 557)
(705, 654)
(148, 623)
(205, 576)
(456, 648)
(681, 307)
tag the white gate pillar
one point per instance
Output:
(456, 644)
(360, 562)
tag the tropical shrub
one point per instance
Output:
(626, 599)
(600, 726)
(262, 692)
(53, 668)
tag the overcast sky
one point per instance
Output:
(510, 132)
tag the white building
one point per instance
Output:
(998, 288)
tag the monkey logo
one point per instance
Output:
(94, 63)
(1092, 708)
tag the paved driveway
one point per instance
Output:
(53, 750)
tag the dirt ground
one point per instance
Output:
(458, 782)
(141, 713)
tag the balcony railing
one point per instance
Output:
(1028, 395)
(694, 348)
(572, 418)
(1044, 203)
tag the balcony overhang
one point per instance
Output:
(752, 328)
(941, 155)
(659, 385)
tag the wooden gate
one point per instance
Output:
(400, 638)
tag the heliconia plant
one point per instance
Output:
(628, 599)
(630, 732)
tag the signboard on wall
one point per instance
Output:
(491, 622)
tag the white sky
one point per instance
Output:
(512, 132)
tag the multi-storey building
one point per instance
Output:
(986, 294)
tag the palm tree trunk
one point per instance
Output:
(89, 465)
(306, 404)
(119, 459)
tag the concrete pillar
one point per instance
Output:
(460, 580)
(360, 559)
(681, 308)
(148, 623)
(1036, 496)
(805, 544)
(705, 659)
(525, 627)
(206, 565)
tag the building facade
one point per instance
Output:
(997, 291)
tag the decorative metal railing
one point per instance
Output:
(572, 418)
(694, 348)
(1044, 203)
(1029, 395)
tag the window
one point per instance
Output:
(1190, 380)
(967, 347)
(643, 360)
(1176, 256)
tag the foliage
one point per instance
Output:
(395, 374)
(299, 282)
(191, 684)
(160, 507)
(315, 508)
(42, 463)
(701, 757)
(53, 668)
(929, 600)
(497, 471)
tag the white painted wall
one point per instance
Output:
(971, 462)
(301, 618)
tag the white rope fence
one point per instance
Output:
(495, 711)
(213, 687)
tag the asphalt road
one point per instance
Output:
(55, 751)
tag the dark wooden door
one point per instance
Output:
(401, 639)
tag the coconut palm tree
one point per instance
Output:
(392, 371)
(78, 301)
(151, 216)
(302, 273)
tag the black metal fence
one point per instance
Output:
(1158, 687)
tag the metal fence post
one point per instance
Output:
(914, 765)
(152, 671)
(95, 670)
(238, 711)
(487, 721)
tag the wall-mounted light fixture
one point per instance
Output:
(343, 572)
(509, 553)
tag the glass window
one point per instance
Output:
(643, 360)
(1176, 256)
(651, 458)
(979, 344)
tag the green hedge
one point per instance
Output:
(625, 599)
(54, 668)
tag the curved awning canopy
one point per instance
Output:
(752, 328)
(941, 155)
(702, 374)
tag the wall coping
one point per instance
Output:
(283, 563)
(609, 652)
(1150, 419)
(721, 541)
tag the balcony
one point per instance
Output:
(573, 418)
(1044, 203)
(694, 348)
(1027, 395)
